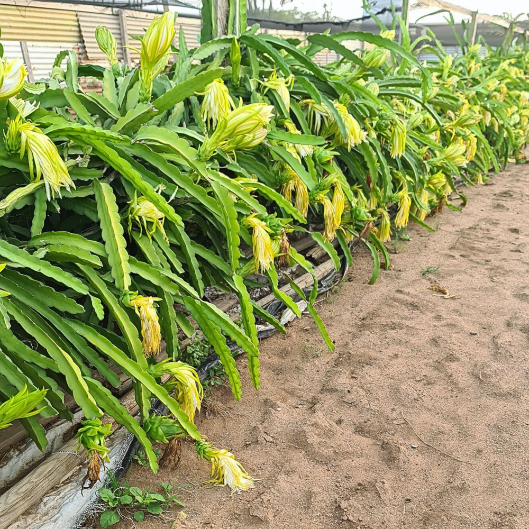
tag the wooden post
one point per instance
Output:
(27, 61)
(473, 28)
(124, 35)
(221, 13)
(405, 16)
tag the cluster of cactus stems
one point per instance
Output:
(118, 209)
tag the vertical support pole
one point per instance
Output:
(473, 28)
(508, 37)
(27, 61)
(405, 17)
(221, 12)
(124, 35)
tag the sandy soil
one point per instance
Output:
(419, 419)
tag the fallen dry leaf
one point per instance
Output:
(443, 290)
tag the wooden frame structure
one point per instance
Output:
(476, 17)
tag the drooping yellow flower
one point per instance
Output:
(401, 220)
(384, 228)
(298, 187)
(217, 102)
(398, 138)
(186, 383)
(43, 157)
(338, 203)
(471, 145)
(243, 128)
(263, 253)
(12, 76)
(317, 115)
(423, 196)
(143, 212)
(329, 216)
(281, 86)
(355, 134)
(225, 469)
(150, 326)
(388, 34)
(302, 150)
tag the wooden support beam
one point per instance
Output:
(473, 28)
(27, 61)
(124, 35)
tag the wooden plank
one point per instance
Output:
(51, 472)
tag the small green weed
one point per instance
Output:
(197, 351)
(122, 500)
(429, 270)
(141, 458)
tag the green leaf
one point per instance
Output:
(30, 323)
(326, 41)
(128, 329)
(108, 518)
(112, 230)
(78, 107)
(126, 170)
(39, 216)
(215, 338)
(11, 343)
(23, 258)
(345, 247)
(98, 308)
(132, 368)
(71, 254)
(421, 222)
(46, 294)
(186, 89)
(328, 247)
(278, 199)
(257, 43)
(28, 298)
(212, 47)
(111, 406)
(70, 239)
(231, 224)
(279, 294)
(381, 248)
(295, 164)
(188, 249)
(168, 252)
(298, 139)
(268, 318)
(134, 118)
(376, 263)
(248, 321)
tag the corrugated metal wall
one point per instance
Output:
(49, 29)
(34, 23)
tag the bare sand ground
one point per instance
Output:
(334, 437)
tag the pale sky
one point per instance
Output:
(347, 9)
